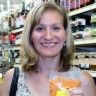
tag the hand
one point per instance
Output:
(76, 92)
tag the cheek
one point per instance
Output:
(63, 36)
(34, 37)
(34, 41)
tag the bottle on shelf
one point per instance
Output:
(65, 3)
(73, 26)
(93, 18)
(88, 2)
(58, 1)
(93, 22)
(5, 24)
(17, 21)
(62, 2)
(22, 19)
(82, 3)
(72, 5)
(12, 21)
(81, 23)
(77, 4)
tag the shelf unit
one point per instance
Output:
(86, 41)
(77, 42)
(73, 13)
(82, 10)
(17, 30)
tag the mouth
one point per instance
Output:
(49, 44)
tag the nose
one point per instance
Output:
(48, 34)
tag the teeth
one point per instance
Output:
(48, 44)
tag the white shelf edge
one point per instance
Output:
(16, 48)
(17, 30)
(85, 41)
(18, 41)
(83, 9)
(12, 48)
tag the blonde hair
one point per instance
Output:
(28, 52)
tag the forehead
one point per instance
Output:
(45, 12)
(42, 11)
(51, 11)
(51, 17)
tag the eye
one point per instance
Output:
(56, 28)
(39, 28)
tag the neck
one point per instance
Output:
(45, 65)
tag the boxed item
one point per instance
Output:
(72, 4)
(77, 3)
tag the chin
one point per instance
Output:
(49, 55)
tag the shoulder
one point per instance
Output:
(7, 82)
(88, 84)
(86, 77)
(9, 73)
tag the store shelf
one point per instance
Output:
(83, 9)
(18, 41)
(87, 41)
(16, 48)
(17, 30)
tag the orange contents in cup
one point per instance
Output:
(64, 84)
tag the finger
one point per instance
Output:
(76, 95)
(76, 92)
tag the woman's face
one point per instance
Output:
(49, 35)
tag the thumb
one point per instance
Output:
(76, 91)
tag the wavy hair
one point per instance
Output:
(28, 53)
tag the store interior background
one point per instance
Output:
(82, 14)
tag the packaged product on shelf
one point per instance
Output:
(12, 38)
(87, 33)
(5, 24)
(93, 22)
(12, 21)
(22, 19)
(77, 3)
(63, 2)
(82, 3)
(73, 26)
(86, 2)
(37, 2)
(93, 32)
(93, 17)
(17, 21)
(67, 5)
(78, 36)
(5, 39)
(93, 58)
(89, 2)
(81, 23)
(72, 4)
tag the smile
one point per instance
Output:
(49, 44)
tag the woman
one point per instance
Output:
(47, 47)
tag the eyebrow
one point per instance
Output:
(49, 24)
